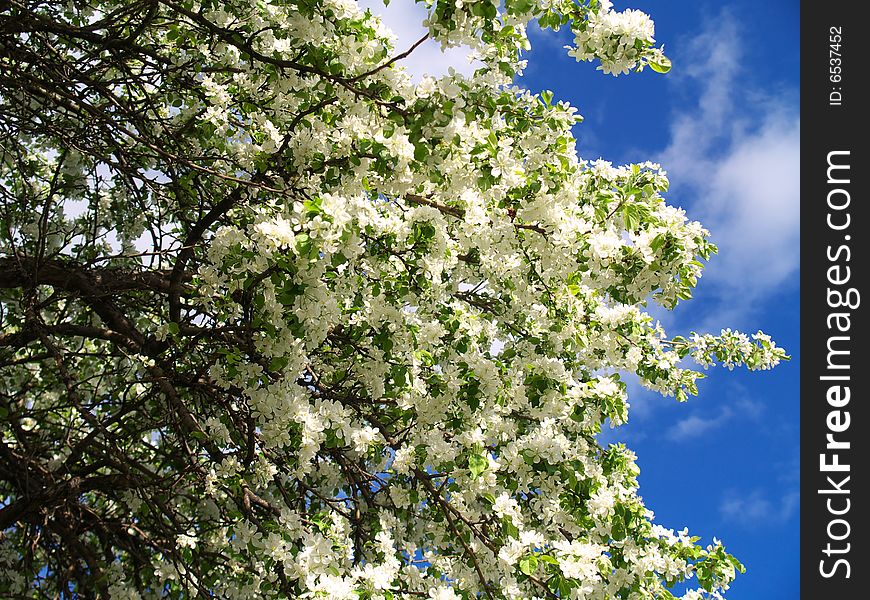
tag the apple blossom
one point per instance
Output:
(278, 322)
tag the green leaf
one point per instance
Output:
(528, 565)
(737, 564)
(477, 464)
(519, 6)
(630, 216)
(548, 559)
(510, 530)
(662, 66)
(547, 97)
(303, 244)
(617, 530)
(420, 152)
(278, 363)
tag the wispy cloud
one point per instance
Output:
(735, 154)
(699, 424)
(695, 426)
(405, 20)
(758, 507)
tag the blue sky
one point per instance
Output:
(725, 125)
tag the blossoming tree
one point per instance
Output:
(278, 322)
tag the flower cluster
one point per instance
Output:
(621, 40)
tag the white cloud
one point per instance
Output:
(736, 154)
(757, 507)
(696, 425)
(405, 19)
